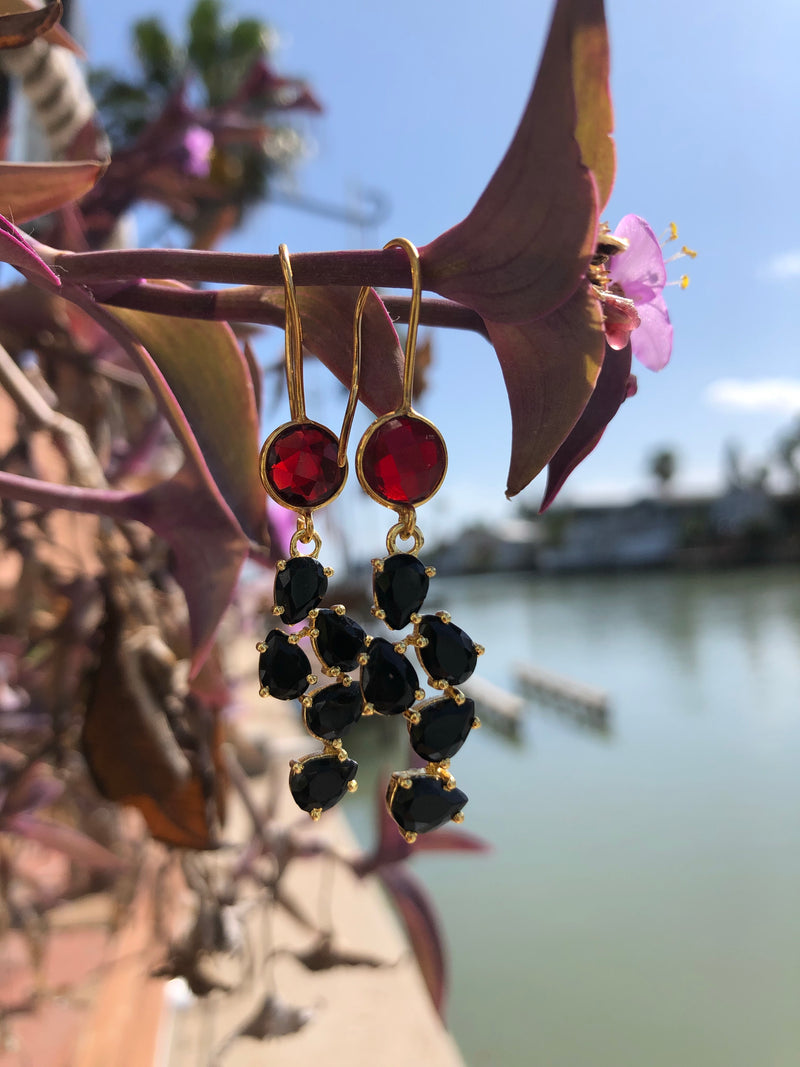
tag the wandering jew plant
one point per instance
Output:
(136, 402)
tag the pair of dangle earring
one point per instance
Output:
(401, 462)
(303, 466)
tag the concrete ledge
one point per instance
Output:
(360, 1015)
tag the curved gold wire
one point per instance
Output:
(352, 399)
(413, 320)
(294, 355)
(294, 341)
(405, 512)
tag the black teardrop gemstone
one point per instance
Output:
(442, 729)
(299, 587)
(400, 588)
(283, 668)
(333, 710)
(425, 805)
(388, 680)
(450, 654)
(340, 640)
(319, 782)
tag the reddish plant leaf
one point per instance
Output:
(80, 848)
(135, 757)
(451, 840)
(327, 317)
(527, 243)
(206, 540)
(188, 511)
(609, 393)
(28, 190)
(15, 249)
(595, 114)
(22, 27)
(550, 368)
(392, 847)
(209, 377)
(36, 787)
(152, 374)
(422, 927)
(209, 550)
(55, 35)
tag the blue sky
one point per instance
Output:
(421, 101)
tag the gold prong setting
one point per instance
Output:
(423, 800)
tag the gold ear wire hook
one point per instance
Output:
(409, 358)
(413, 320)
(294, 341)
(352, 400)
(294, 356)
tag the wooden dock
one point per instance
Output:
(497, 709)
(583, 702)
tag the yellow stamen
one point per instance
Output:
(688, 252)
(684, 281)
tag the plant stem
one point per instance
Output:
(245, 304)
(380, 267)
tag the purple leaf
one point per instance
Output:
(526, 245)
(22, 27)
(422, 927)
(28, 190)
(550, 368)
(189, 511)
(201, 530)
(327, 317)
(611, 390)
(207, 374)
(15, 249)
(208, 545)
(80, 848)
(450, 840)
(136, 757)
(34, 788)
(595, 115)
(392, 847)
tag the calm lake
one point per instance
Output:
(641, 905)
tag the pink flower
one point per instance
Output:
(196, 149)
(640, 275)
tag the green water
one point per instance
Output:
(641, 905)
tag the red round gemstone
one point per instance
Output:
(301, 465)
(404, 460)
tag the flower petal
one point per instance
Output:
(640, 270)
(526, 244)
(550, 368)
(609, 393)
(652, 341)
